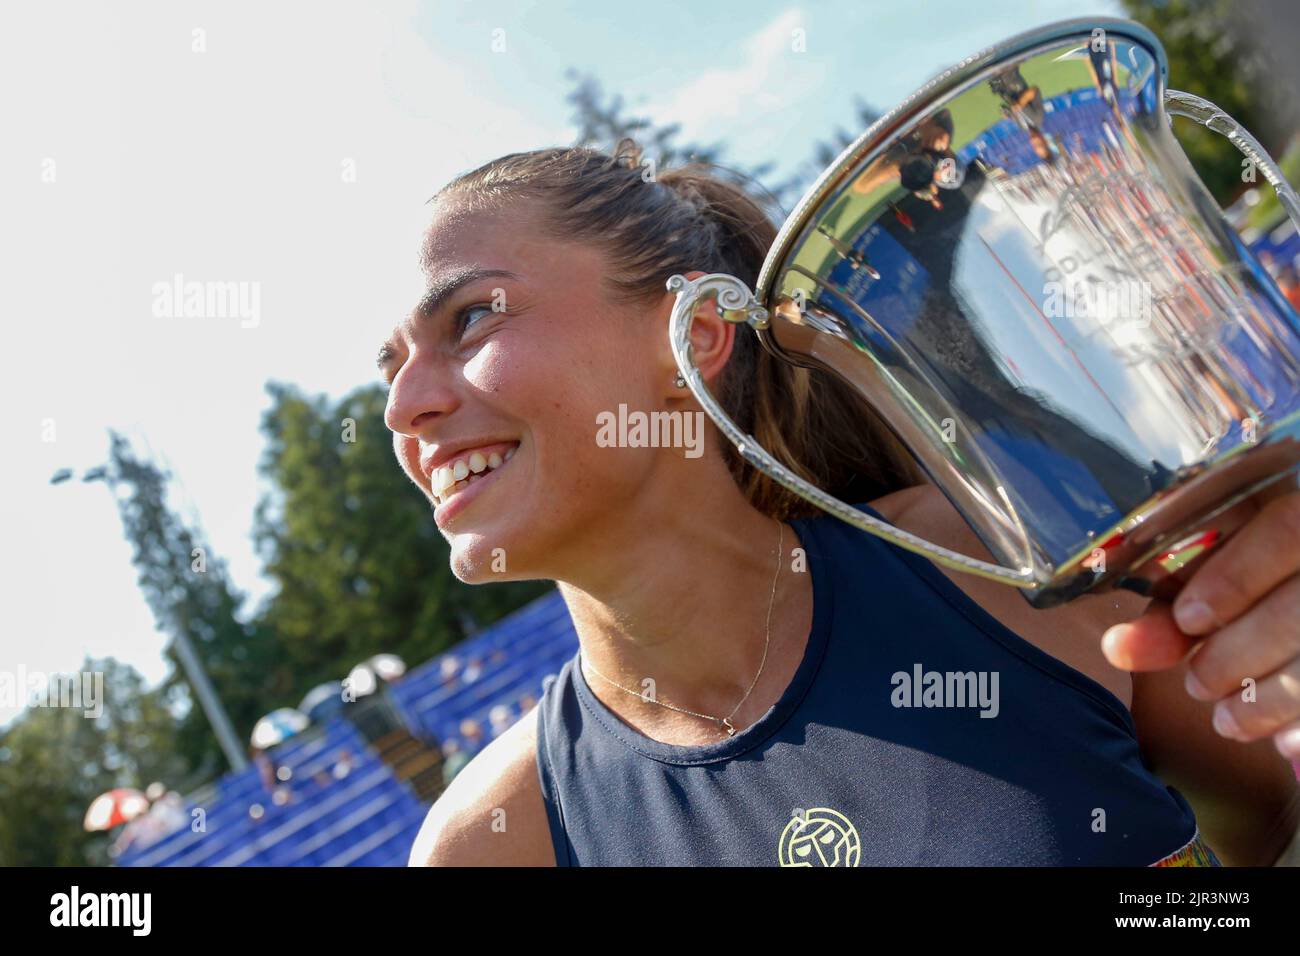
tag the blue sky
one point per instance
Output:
(133, 155)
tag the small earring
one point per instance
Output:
(679, 381)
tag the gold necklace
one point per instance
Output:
(722, 722)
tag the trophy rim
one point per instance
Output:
(936, 88)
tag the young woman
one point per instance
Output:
(753, 685)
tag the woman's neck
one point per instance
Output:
(679, 614)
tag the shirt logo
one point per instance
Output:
(819, 837)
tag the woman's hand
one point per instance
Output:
(1240, 610)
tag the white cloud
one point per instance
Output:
(770, 78)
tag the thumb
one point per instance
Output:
(1152, 642)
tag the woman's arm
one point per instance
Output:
(492, 814)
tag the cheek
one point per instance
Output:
(489, 369)
(556, 385)
(514, 371)
(407, 452)
(546, 382)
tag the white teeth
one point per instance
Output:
(449, 479)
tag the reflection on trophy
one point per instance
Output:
(1019, 271)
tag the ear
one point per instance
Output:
(712, 338)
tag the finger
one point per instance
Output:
(1262, 554)
(1211, 538)
(1286, 485)
(1152, 642)
(1287, 741)
(1258, 643)
(1261, 708)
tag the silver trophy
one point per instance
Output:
(1021, 273)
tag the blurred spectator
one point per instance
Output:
(454, 760)
(1289, 283)
(170, 813)
(471, 731)
(274, 781)
(166, 815)
(265, 768)
(1020, 101)
(449, 668)
(500, 718)
(1042, 146)
(934, 134)
(917, 175)
(343, 766)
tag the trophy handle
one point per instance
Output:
(1211, 117)
(736, 303)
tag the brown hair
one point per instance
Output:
(689, 218)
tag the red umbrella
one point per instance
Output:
(117, 806)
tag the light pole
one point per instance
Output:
(190, 663)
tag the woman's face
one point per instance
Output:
(933, 136)
(507, 362)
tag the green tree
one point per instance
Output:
(54, 761)
(1215, 51)
(189, 590)
(602, 121)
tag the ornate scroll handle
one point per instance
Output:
(1211, 117)
(736, 303)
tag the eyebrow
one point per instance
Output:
(440, 290)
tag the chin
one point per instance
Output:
(476, 561)
(469, 573)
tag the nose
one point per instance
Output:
(422, 393)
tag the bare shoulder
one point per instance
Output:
(492, 814)
(1071, 633)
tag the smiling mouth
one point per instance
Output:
(451, 479)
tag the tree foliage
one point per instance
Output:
(54, 761)
(190, 592)
(1217, 51)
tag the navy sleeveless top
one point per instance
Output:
(917, 730)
